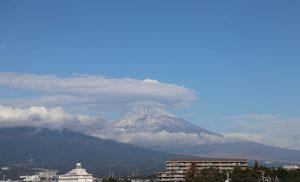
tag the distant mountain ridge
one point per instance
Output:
(62, 149)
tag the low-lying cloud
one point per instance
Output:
(54, 118)
(90, 92)
(266, 129)
(162, 137)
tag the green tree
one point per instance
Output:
(191, 173)
(291, 176)
(210, 175)
(256, 165)
(110, 179)
(203, 175)
(244, 175)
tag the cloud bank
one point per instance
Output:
(54, 118)
(162, 137)
(91, 93)
(266, 129)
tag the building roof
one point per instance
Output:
(206, 160)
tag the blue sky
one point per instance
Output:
(240, 58)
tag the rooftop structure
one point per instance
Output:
(44, 176)
(76, 175)
(177, 169)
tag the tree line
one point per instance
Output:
(250, 174)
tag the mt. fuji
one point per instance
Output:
(153, 119)
(152, 127)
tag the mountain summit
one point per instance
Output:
(148, 118)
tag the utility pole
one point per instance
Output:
(263, 176)
(228, 179)
(4, 169)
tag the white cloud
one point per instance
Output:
(253, 117)
(161, 137)
(266, 129)
(254, 137)
(92, 92)
(150, 81)
(55, 118)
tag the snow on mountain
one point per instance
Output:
(147, 125)
(153, 119)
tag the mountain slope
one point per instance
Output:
(62, 149)
(238, 149)
(152, 119)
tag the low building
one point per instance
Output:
(140, 180)
(31, 178)
(76, 175)
(43, 176)
(177, 169)
(288, 168)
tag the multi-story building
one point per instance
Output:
(76, 175)
(177, 169)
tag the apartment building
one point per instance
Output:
(177, 169)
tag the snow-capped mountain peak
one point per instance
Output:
(148, 118)
(141, 111)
